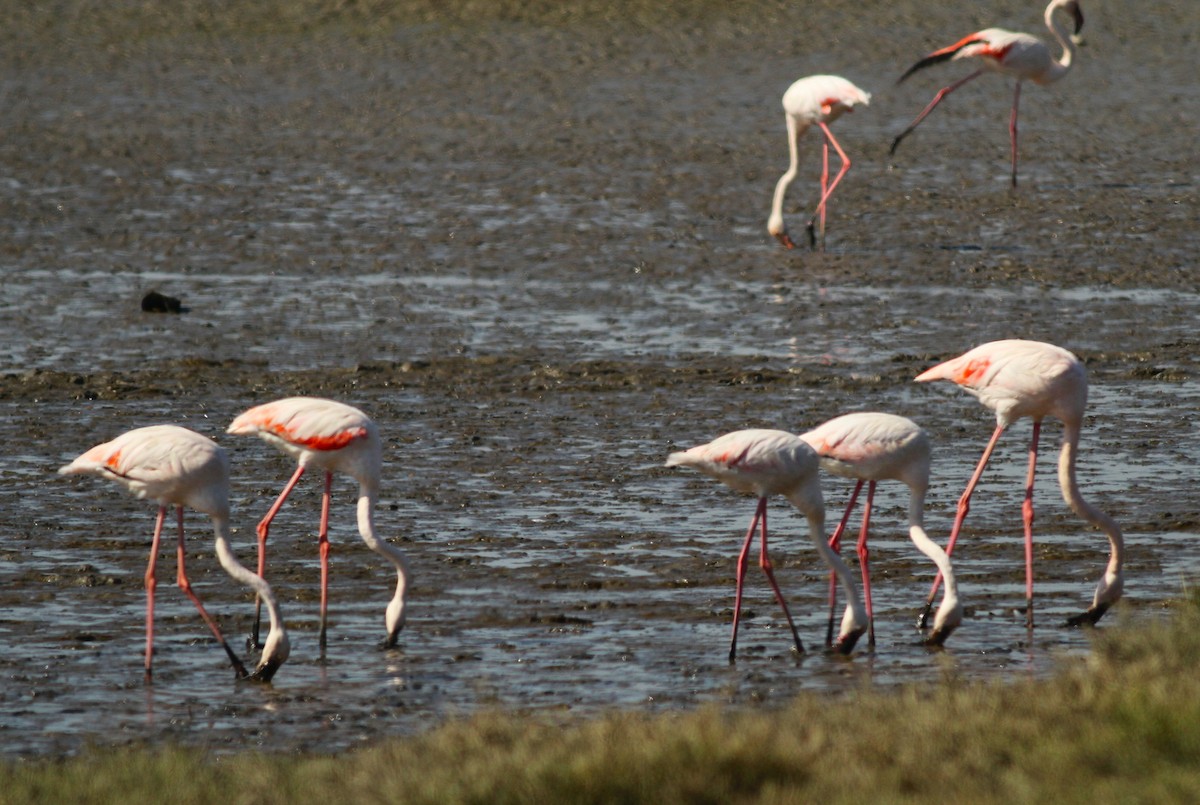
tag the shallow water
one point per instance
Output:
(538, 300)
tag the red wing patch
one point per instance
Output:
(731, 460)
(322, 441)
(996, 53)
(113, 460)
(957, 46)
(972, 372)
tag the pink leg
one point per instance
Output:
(186, 586)
(151, 585)
(1027, 516)
(824, 184)
(826, 192)
(925, 113)
(323, 547)
(964, 506)
(1012, 133)
(264, 527)
(741, 575)
(863, 556)
(764, 561)
(835, 543)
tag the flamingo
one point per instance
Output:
(1016, 379)
(178, 467)
(334, 437)
(765, 463)
(815, 100)
(873, 447)
(1020, 55)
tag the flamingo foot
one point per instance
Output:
(238, 669)
(786, 240)
(812, 236)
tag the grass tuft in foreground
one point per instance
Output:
(1125, 726)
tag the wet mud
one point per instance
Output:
(532, 245)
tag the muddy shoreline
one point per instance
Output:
(530, 241)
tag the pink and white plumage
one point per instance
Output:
(174, 466)
(1020, 55)
(872, 447)
(765, 463)
(1017, 378)
(813, 101)
(336, 438)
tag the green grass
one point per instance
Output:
(1124, 727)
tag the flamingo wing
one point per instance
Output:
(309, 422)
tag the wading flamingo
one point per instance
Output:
(765, 463)
(334, 437)
(873, 447)
(174, 466)
(815, 100)
(1029, 378)
(1022, 56)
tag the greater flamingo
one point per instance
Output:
(1022, 56)
(815, 100)
(174, 466)
(1029, 378)
(765, 463)
(334, 437)
(873, 447)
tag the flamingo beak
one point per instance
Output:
(266, 671)
(1088, 618)
(845, 643)
(938, 637)
(783, 238)
(1077, 13)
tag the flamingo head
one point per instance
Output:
(1108, 592)
(395, 621)
(779, 231)
(853, 627)
(949, 617)
(275, 653)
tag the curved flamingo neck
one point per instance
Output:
(775, 222)
(1070, 493)
(812, 505)
(1061, 66)
(916, 532)
(277, 647)
(366, 528)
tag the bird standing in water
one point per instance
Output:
(1022, 56)
(817, 100)
(1016, 379)
(174, 466)
(873, 447)
(336, 438)
(765, 463)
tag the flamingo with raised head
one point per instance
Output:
(1016, 379)
(765, 463)
(816, 100)
(336, 438)
(872, 447)
(1020, 55)
(174, 466)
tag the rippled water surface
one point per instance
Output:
(539, 288)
